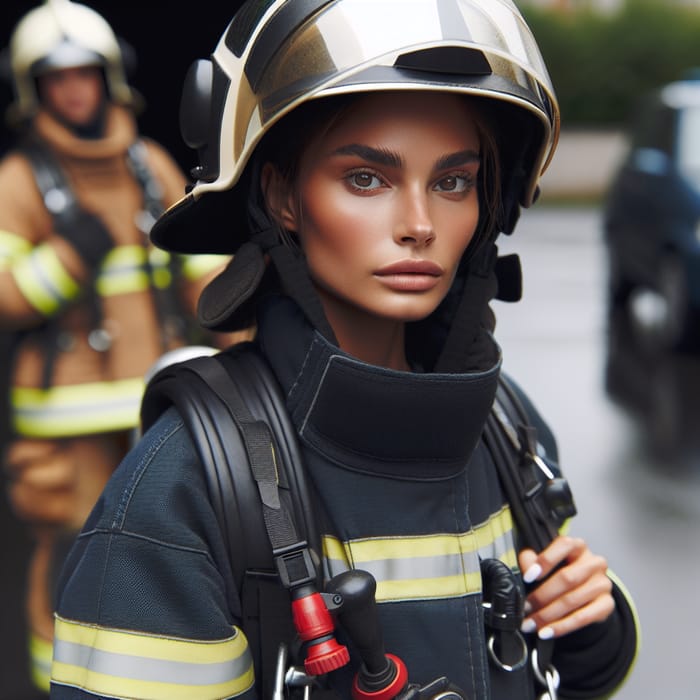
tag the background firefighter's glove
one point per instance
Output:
(57, 482)
(86, 233)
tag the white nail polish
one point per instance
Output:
(532, 573)
(527, 608)
(528, 626)
(546, 633)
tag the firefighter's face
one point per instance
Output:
(74, 95)
(385, 205)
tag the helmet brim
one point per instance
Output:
(202, 225)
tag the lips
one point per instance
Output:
(410, 275)
(411, 267)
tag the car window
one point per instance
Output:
(655, 128)
(689, 143)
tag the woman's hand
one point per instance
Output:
(578, 593)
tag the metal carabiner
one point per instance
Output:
(550, 679)
(491, 646)
(290, 677)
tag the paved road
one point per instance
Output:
(644, 515)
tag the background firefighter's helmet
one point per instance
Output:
(277, 54)
(62, 34)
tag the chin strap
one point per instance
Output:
(291, 269)
(469, 345)
(227, 303)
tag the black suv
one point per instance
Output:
(651, 223)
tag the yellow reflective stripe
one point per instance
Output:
(428, 566)
(637, 623)
(160, 268)
(12, 246)
(123, 271)
(118, 663)
(77, 410)
(125, 256)
(43, 280)
(40, 653)
(196, 266)
(162, 277)
(495, 538)
(159, 257)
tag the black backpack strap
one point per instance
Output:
(58, 195)
(540, 500)
(60, 201)
(234, 410)
(153, 203)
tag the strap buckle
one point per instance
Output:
(295, 565)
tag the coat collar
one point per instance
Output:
(120, 133)
(370, 419)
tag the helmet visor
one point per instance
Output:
(351, 46)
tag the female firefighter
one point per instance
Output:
(359, 159)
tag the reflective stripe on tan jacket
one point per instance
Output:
(42, 278)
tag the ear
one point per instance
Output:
(279, 198)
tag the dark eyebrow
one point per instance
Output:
(394, 160)
(455, 160)
(373, 155)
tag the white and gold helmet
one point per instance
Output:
(278, 54)
(62, 34)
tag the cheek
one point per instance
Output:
(458, 227)
(336, 221)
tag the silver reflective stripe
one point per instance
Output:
(36, 263)
(149, 669)
(421, 567)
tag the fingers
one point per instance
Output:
(574, 592)
(57, 483)
(21, 454)
(42, 498)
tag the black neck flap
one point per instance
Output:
(228, 302)
(469, 345)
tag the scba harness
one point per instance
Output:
(236, 415)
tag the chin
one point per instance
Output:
(417, 312)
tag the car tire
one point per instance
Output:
(671, 327)
(619, 287)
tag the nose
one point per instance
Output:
(414, 225)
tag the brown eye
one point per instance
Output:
(453, 183)
(364, 181)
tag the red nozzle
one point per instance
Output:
(311, 617)
(313, 622)
(325, 657)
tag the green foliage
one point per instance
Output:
(601, 64)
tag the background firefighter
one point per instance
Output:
(87, 303)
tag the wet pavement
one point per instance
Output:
(642, 512)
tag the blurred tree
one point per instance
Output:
(601, 63)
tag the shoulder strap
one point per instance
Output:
(53, 185)
(540, 500)
(153, 205)
(235, 413)
(233, 407)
